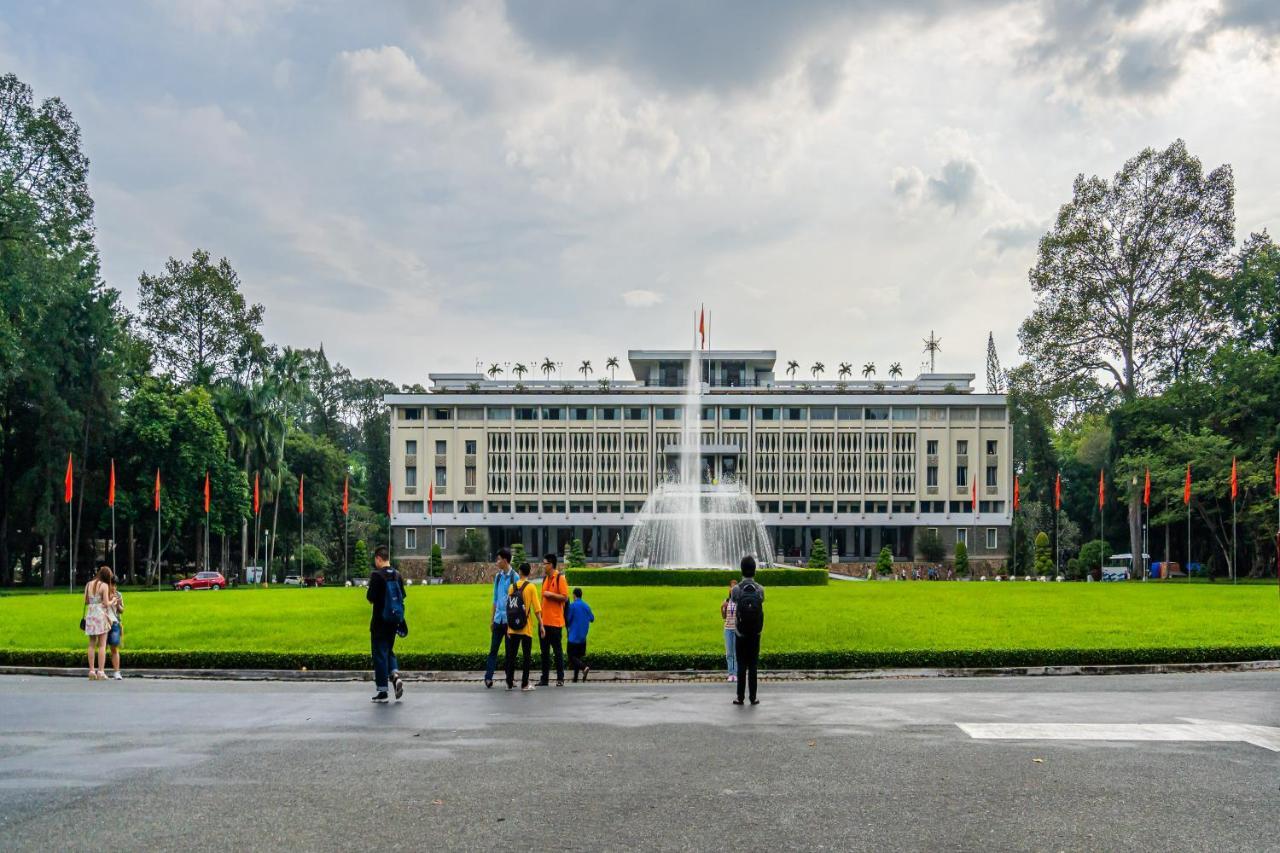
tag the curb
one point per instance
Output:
(671, 676)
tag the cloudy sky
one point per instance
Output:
(423, 185)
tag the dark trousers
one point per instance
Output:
(551, 642)
(748, 659)
(525, 644)
(384, 658)
(577, 658)
(497, 633)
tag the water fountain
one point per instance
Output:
(694, 519)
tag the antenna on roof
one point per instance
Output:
(933, 346)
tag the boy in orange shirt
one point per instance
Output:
(555, 597)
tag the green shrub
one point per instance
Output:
(1044, 554)
(694, 577)
(962, 559)
(818, 558)
(519, 555)
(884, 562)
(577, 558)
(360, 560)
(437, 560)
(930, 546)
(474, 545)
(314, 560)
(1093, 553)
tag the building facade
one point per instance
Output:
(858, 463)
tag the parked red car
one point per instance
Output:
(202, 580)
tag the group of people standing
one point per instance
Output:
(103, 607)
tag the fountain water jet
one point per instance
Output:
(692, 522)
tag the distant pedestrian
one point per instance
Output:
(502, 582)
(386, 593)
(523, 607)
(97, 620)
(749, 596)
(115, 609)
(578, 618)
(555, 596)
(729, 613)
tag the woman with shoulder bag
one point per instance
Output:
(97, 620)
(115, 610)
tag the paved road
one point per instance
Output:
(849, 765)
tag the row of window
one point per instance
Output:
(553, 507)
(709, 413)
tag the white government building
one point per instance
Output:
(858, 463)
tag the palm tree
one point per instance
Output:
(495, 370)
(895, 369)
(584, 369)
(519, 370)
(817, 369)
(792, 367)
(611, 365)
(547, 367)
(868, 370)
(845, 369)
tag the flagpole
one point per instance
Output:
(1234, 553)
(71, 554)
(159, 540)
(1188, 541)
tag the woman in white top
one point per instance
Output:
(729, 612)
(97, 620)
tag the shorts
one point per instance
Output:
(113, 636)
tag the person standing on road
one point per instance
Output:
(522, 608)
(749, 623)
(97, 620)
(115, 609)
(578, 619)
(498, 618)
(386, 593)
(555, 595)
(729, 613)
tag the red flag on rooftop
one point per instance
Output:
(346, 495)
(1186, 487)
(1102, 490)
(1057, 493)
(1016, 494)
(111, 485)
(67, 482)
(1235, 483)
(257, 499)
(302, 504)
(702, 327)
(157, 490)
(1146, 490)
(206, 492)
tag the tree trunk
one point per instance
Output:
(132, 556)
(79, 537)
(48, 561)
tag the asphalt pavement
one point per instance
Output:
(1145, 762)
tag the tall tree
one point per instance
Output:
(995, 376)
(196, 319)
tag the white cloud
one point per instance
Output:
(385, 84)
(642, 298)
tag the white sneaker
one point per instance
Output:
(117, 676)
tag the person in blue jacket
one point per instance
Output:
(578, 619)
(502, 581)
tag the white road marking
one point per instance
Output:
(1267, 737)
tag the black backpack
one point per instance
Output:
(517, 616)
(750, 613)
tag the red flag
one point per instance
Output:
(702, 326)
(257, 499)
(1146, 490)
(157, 492)
(1057, 493)
(1016, 494)
(67, 482)
(302, 504)
(431, 498)
(1235, 484)
(1102, 491)
(1278, 475)
(206, 492)
(346, 495)
(974, 492)
(1186, 488)
(111, 485)
(388, 500)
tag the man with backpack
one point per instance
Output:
(748, 597)
(386, 593)
(523, 607)
(498, 619)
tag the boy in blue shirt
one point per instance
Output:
(578, 619)
(502, 581)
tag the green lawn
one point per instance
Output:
(842, 625)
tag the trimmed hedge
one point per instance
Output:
(692, 577)
(816, 660)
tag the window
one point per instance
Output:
(991, 415)
(441, 414)
(581, 413)
(441, 482)
(795, 506)
(991, 538)
(409, 507)
(410, 539)
(965, 416)
(471, 414)
(962, 475)
(410, 478)
(733, 413)
(442, 448)
(414, 414)
(991, 475)
(470, 479)
(608, 413)
(991, 447)
(526, 413)
(962, 447)
(666, 413)
(931, 447)
(849, 413)
(440, 537)
(876, 413)
(931, 475)
(764, 413)
(794, 413)
(500, 413)
(904, 413)
(522, 506)
(581, 507)
(411, 448)
(499, 506)
(822, 413)
(637, 413)
(904, 506)
(470, 446)
(962, 536)
(933, 506)
(552, 413)
(848, 506)
(708, 414)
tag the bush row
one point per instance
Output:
(692, 577)
(811, 660)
